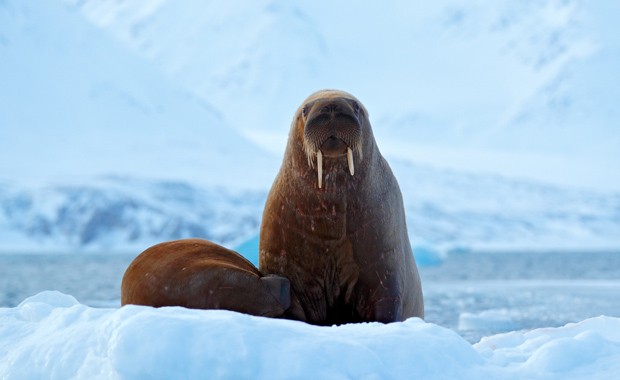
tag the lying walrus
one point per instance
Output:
(199, 274)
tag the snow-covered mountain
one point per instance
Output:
(469, 85)
(445, 210)
(122, 122)
(123, 215)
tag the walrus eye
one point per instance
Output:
(356, 107)
(304, 111)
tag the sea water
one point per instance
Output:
(474, 294)
(481, 294)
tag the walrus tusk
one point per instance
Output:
(350, 161)
(319, 164)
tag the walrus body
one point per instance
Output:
(199, 274)
(334, 222)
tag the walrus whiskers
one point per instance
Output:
(350, 161)
(319, 166)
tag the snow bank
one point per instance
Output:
(52, 335)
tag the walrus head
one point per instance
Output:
(331, 125)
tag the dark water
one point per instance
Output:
(483, 293)
(475, 294)
(92, 279)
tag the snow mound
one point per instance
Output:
(51, 335)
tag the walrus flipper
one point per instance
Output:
(280, 288)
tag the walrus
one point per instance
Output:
(334, 222)
(200, 274)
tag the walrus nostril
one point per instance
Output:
(330, 108)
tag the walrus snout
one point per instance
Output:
(333, 117)
(332, 129)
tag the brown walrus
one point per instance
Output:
(199, 274)
(334, 222)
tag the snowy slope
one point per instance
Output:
(51, 335)
(251, 60)
(469, 85)
(76, 104)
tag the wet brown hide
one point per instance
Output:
(334, 221)
(199, 274)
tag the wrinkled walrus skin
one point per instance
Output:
(199, 274)
(334, 222)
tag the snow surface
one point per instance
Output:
(51, 335)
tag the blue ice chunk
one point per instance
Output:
(249, 249)
(426, 256)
